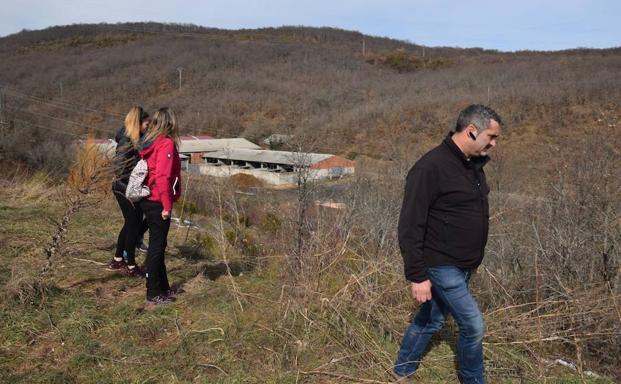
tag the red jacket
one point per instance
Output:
(164, 177)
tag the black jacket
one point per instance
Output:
(125, 159)
(445, 214)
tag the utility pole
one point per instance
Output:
(488, 88)
(180, 70)
(4, 123)
(60, 85)
(364, 46)
(1, 105)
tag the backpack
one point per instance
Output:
(136, 190)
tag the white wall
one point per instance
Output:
(274, 178)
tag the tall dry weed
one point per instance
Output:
(89, 179)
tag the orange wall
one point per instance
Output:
(196, 158)
(334, 161)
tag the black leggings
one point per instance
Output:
(157, 280)
(131, 228)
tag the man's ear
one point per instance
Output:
(471, 129)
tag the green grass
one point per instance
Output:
(83, 324)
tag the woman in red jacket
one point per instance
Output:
(159, 149)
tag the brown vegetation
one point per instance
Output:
(287, 80)
(327, 286)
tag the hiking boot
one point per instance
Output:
(115, 265)
(160, 299)
(135, 272)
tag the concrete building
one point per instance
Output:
(195, 137)
(275, 167)
(196, 148)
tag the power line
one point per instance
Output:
(60, 105)
(64, 120)
(36, 99)
(46, 128)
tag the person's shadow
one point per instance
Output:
(212, 270)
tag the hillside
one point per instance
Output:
(315, 83)
(277, 288)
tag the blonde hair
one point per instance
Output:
(163, 123)
(133, 120)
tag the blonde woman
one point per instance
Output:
(160, 150)
(126, 157)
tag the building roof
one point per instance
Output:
(196, 137)
(209, 145)
(266, 156)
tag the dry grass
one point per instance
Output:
(89, 176)
(245, 317)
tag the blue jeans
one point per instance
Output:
(450, 295)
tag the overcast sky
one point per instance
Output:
(505, 25)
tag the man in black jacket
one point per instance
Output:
(443, 230)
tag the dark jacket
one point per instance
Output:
(125, 160)
(445, 214)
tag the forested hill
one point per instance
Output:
(347, 92)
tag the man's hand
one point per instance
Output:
(421, 291)
(165, 215)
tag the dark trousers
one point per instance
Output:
(144, 227)
(131, 228)
(157, 280)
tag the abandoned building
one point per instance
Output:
(275, 167)
(196, 148)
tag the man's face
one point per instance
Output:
(485, 140)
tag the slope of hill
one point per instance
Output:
(317, 83)
(243, 317)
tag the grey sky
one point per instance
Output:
(504, 25)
